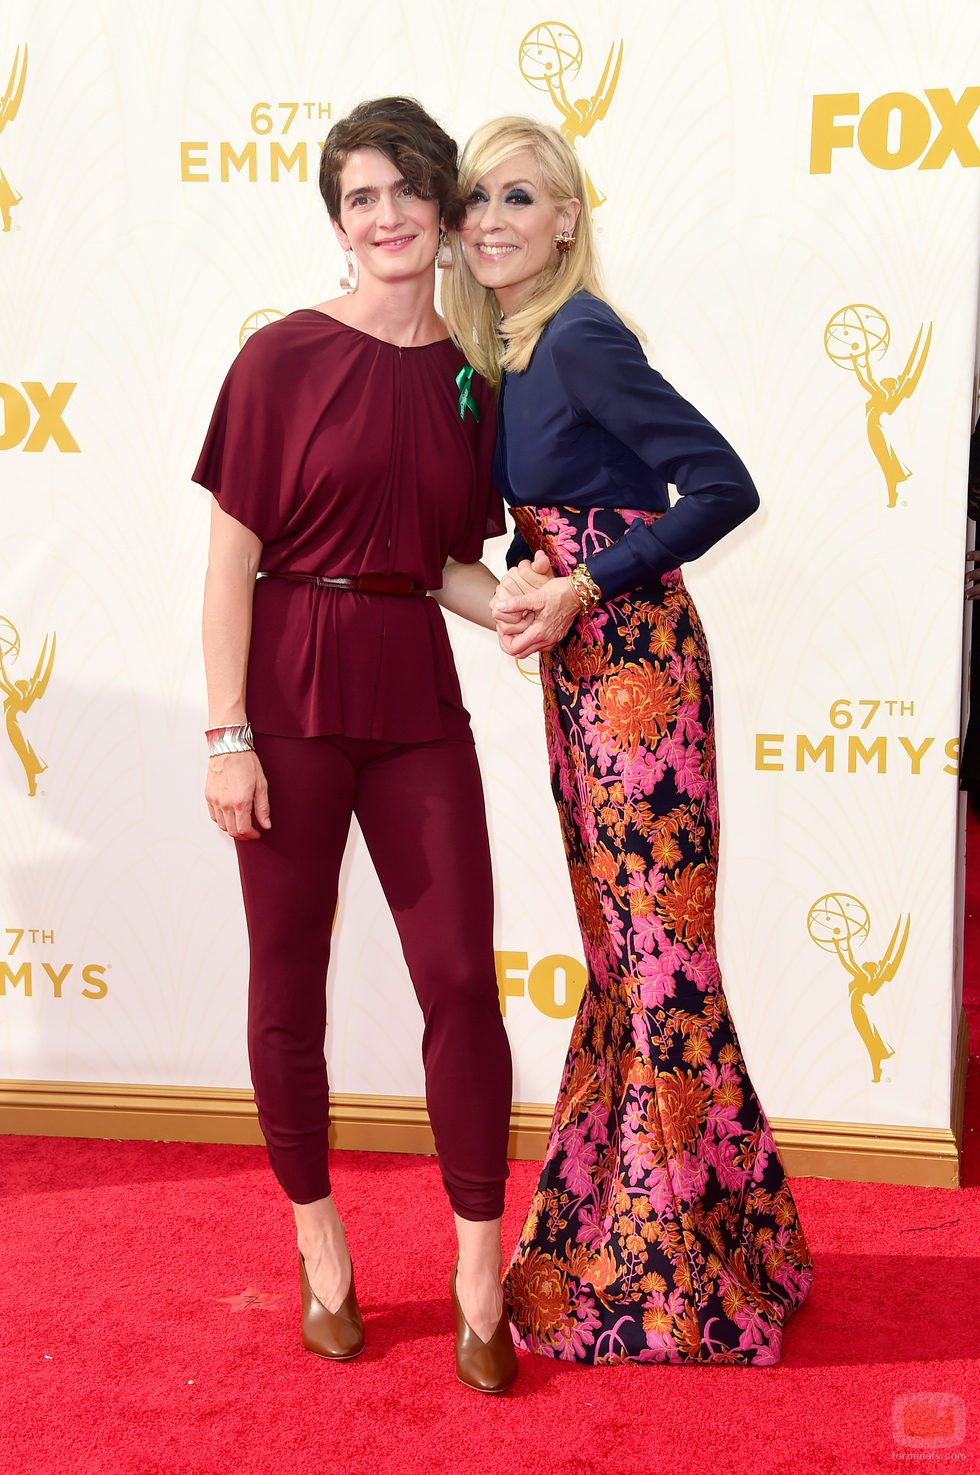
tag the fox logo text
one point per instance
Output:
(32, 417)
(896, 129)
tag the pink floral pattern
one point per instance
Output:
(662, 1228)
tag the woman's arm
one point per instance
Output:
(605, 375)
(467, 589)
(236, 791)
(472, 591)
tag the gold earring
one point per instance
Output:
(444, 255)
(564, 241)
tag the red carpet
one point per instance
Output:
(150, 1327)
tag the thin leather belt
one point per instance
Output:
(362, 583)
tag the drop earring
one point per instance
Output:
(444, 255)
(348, 282)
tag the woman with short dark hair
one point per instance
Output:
(349, 459)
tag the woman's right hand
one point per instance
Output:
(237, 795)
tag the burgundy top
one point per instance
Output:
(347, 455)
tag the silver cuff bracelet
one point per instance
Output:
(230, 740)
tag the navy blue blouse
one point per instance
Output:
(590, 424)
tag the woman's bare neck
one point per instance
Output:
(408, 320)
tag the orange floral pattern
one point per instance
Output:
(662, 1229)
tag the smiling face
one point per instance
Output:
(392, 231)
(508, 236)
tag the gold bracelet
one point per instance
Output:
(588, 591)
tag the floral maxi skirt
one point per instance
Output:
(662, 1228)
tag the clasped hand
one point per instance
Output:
(533, 609)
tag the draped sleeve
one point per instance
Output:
(347, 455)
(248, 460)
(606, 376)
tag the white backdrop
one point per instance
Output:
(760, 165)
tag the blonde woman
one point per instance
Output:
(662, 1228)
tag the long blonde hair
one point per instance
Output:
(471, 311)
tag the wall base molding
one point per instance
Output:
(851, 1151)
(209, 1114)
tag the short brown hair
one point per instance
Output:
(401, 129)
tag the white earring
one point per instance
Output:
(348, 282)
(444, 255)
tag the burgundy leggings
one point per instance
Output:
(420, 810)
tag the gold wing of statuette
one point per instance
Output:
(890, 962)
(38, 683)
(10, 101)
(910, 375)
(603, 95)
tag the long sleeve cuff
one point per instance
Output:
(630, 563)
(642, 554)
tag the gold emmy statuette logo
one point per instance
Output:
(551, 55)
(20, 696)
(836, 923)
(257, 320)
(851, 338)
(9, 103)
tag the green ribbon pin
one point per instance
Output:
(466, 401)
